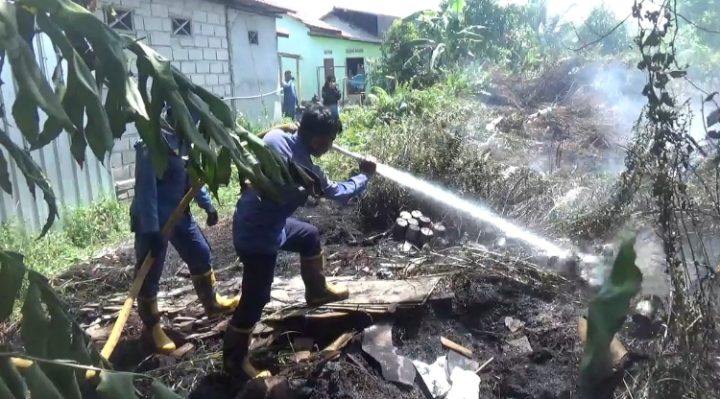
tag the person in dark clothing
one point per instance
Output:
(261, 228)
(290, 98)
(156, 197)
(331, 95)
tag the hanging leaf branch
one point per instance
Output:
(100, 98)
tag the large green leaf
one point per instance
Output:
(5, 183)
(12, 272)
(81, 83)
(35, 323)
(116, 386)
(59, 343)
(39, 384)
(5, 391)
(607, 313)
(33, 89)
(34, 177)
(160, 391)
(150, 132)
(12, 379)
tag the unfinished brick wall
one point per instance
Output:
(203, 55)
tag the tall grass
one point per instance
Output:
(81, 234)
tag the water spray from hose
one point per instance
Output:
(477, 212)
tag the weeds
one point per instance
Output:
(84, 231)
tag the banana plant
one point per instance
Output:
(608, 310)
(97, 69)
(53, 365)
(447, 36)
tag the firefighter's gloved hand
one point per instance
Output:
(368, 166)
(212, 217)
(154, 241)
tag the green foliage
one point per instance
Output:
(97, 224)
(598, 27)
(608, 310)
(43, 311)
(83, 232)
(97, 63)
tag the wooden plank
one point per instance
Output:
(448, 344)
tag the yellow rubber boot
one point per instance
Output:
(150, 316)
(236, 357)
(213, 303)
(317, 290)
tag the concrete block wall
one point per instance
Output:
(203, 56)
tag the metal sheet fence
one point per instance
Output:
(74, 185)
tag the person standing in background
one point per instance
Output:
(331, 95)
(290, 99)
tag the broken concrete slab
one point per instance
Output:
(465, 384)
(377, 342)
(434, 376)
(513, 324)
(519, 346)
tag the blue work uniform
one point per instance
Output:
(155, 200)
(290, 99)
(262, 227)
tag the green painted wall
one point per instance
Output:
(313, 50)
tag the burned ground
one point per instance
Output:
(468, 306)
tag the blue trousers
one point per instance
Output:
(259, 270)
(190, 243)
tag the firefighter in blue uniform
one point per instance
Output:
(155, 199)
(262, 227)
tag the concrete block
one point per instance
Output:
(195, 54)
(220, 31)
(128, 157)
(186, 41)
(187, 67)
(167, 25)
(115, 160)
(122, 173)
(216, 67)
(159, 10)
(224, 79)
(160, 39)
(201, 41)
(139, 22)
(152, 24)
(214, 42)
(206, 29)
(200, 16)
(211, 80)
(211, 54)
(214, 18)
(224, 43)
(226, 67)
(143, 10)
(165, 51)
(223, 55)
(202, 67)
(198, 79)
(179, 53)
(130, 3)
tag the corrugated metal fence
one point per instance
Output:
(74, 186)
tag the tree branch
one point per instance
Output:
(696, 26)
(603, 37)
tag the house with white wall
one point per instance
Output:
(227, 46)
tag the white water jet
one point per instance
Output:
(475, 211)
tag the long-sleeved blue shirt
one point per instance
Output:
(157, 197)
(258, 224)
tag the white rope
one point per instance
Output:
(276, 92)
